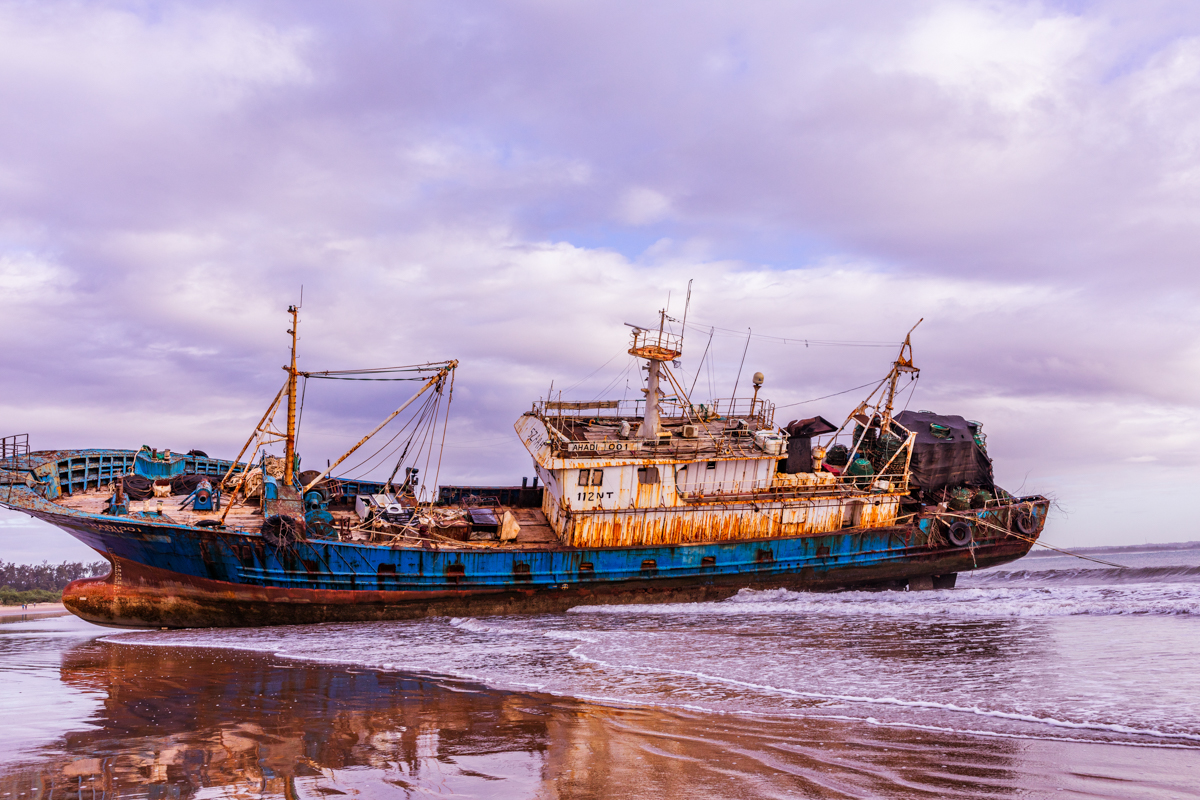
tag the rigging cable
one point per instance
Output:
(1031, 540)
(300, 416)
(415, 417)
(613, 384)
(430, 428)
(912, 391)
(590, 374)
(800, 340)
(445, 425)
(698, 371)
(826, 397)
(417, 420)
(745, 350)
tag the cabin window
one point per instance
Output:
(708, 561)
(711, 465)
(591, 477)
(647, 475)
(649, 565)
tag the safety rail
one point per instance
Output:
(591, 409)
(658, 345)
(12, 448)
(670, 409)
(751, 409)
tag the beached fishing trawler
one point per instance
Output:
(661, 499)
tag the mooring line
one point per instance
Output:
(1014, 534)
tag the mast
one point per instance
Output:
(290, 451)
(903, 363)
(656, 346)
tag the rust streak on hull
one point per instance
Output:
(138, 596)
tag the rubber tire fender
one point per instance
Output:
(1023, 521)
(960, 534)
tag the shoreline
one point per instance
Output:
(10, 614)
(256, 721)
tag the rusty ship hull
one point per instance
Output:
(166, 574)
(137, 596)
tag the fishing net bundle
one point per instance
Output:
(282, 530)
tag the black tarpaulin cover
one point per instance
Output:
(939, 463)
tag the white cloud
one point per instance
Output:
(508, 183)
(642, 206)
(1008, 56)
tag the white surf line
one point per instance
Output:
(996, 734)
(440, 677)
(893, 701)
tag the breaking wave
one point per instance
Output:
(1086, 576)
(988, 601)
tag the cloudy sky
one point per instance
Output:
(507, 183)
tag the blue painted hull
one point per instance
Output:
(172, 575)
(175, 576)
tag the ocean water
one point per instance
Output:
(1051, 650)
(1080, 677)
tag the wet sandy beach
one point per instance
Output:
(90, 718)
(32, 611)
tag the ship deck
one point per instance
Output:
(535, 531)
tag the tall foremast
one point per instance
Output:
(290, 447)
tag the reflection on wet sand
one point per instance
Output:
(191, 722)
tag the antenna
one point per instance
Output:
(749, 333)
(687, 302)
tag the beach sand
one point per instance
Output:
(175, 722)
(31, 611)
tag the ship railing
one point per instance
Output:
(754, 410)
(670, 409)
(13, 449)
(659, 345)
(590, 409)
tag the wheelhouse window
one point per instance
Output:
(647, 475)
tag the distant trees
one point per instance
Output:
(46, 576)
